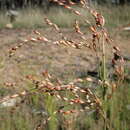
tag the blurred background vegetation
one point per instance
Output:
(14, 4)
(30, 13)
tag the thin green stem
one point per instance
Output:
(104, 79)
(104, 67)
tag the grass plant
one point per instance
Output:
(70, 105)
(33, 17)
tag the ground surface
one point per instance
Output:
(64, 62)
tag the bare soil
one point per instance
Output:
(63, 62)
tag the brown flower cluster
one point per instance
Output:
(91, 101)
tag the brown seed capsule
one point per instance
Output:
(116, 48)
(37, 32)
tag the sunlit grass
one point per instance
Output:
(33, 18)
